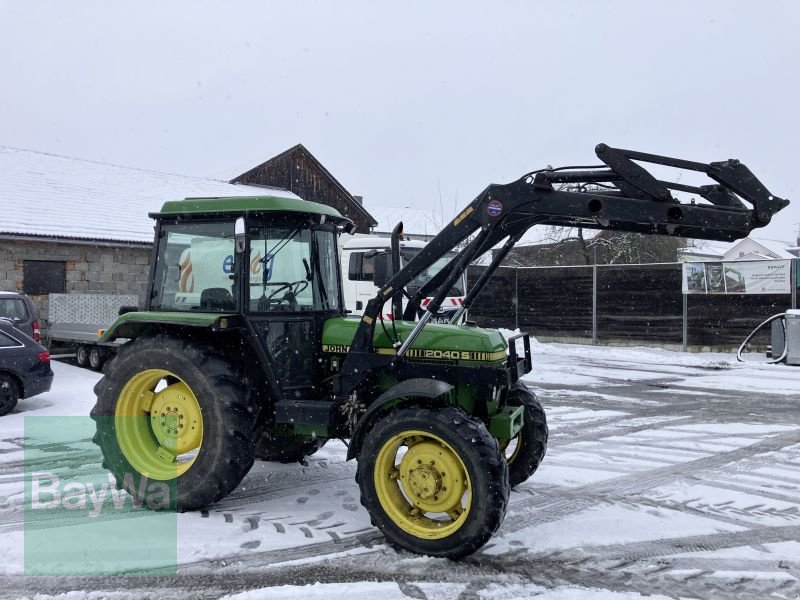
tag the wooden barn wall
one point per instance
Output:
(635, 304)
(299, 174)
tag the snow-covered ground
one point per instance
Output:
(669, 475)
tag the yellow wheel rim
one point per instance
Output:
(510, 448)
(159, 424)
(422, 484)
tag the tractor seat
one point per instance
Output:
(216, 299)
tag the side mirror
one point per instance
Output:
(239, 235)
(383, 270)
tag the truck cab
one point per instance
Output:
(358, 269)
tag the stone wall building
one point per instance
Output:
(79, 268)
(77, 226)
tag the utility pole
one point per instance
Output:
(594, 294)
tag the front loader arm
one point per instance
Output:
(627, 198)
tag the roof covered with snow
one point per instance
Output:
(777, 248)
(51, 196)
(749, 248)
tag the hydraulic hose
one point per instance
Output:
(755, 331)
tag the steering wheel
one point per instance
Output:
(300, 284)
(269, 303)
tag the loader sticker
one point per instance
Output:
(428, 354)
(467, 212)
(494, 208)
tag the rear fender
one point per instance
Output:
(405, 393)
(136, 324)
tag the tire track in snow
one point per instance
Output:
(542, 510)
(547, 509)
(662, 547)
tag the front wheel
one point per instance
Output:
(433, 481)
(526, 451)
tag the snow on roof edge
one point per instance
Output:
(64, 198)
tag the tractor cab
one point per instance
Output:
(270, 262)
(247, 255)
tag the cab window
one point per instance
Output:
(195, 268)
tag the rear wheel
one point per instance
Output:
(176, 414)
(97, 357)
(524, 453)
(433, 481)
(82, 356)
(9, 394)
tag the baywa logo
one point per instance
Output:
(48, 493)
(79, 519)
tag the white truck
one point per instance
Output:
(358, 269)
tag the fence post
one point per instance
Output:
(793, 282)
(685, 322)
(594, 302)
(516, 297)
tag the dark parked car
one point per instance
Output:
(19, 308)
(24, 367)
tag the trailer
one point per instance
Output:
(77, 320)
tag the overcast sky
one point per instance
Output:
(406, 102)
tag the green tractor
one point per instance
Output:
(244, 350)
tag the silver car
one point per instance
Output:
(19, 309)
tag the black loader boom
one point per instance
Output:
(624, 196)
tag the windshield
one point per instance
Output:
(194, 270)
(13, 308)
(408, 253)
(290, 268)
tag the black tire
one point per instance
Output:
(479, 453)
(287, 449)
(9, 394)
(531, 442)
(82, 356)
(97, 358)
(226, 453)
